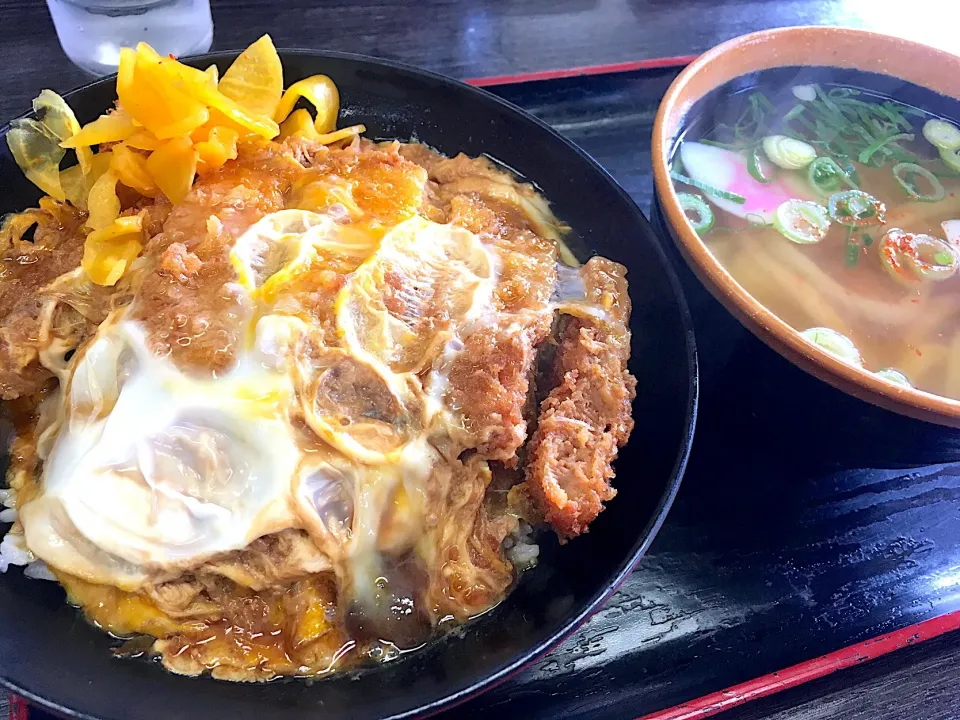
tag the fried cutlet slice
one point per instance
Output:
(586, 418)
(188, 302)
(490, 378)
(490, 384)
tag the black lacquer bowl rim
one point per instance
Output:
(445, 700)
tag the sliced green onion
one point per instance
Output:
(839, 146)
(894, 376)
(825, 99)
(806, 123)
(802, 222)
(867, 239)
(856, 208)
(843, 124)
(891, 111)
(834, 343)
(795, 111)
(708, 189)
(951, 158)
(941, 134)
(759, 98)
(914, 258)
(906, 173)
(869, 151)
(695, 204)
(787, 153)
(759, 168)
(826, 176)
(850, 170)
(864, 132)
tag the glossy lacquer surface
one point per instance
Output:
(807, 520)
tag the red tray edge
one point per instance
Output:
(804, 672)
(648, 64)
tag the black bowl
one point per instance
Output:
(50, 655)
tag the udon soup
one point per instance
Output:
(837, 208)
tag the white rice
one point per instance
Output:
(520, 548)
(38, 570)
(13, 551)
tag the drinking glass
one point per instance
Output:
(93, 31)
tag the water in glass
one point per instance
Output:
(93, 31)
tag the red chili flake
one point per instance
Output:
(917, 351)
(171, 56)
(915, 300)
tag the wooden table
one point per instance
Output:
(720, 598)
(476, 38)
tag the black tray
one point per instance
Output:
(807, 522)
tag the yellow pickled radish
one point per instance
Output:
(38, 153)
(320, 91)
(220, 146)
(173, 166)
(125, 68)
(255, 79)
(143, 139)
(299, 122)
(112, 127)
(75, 187)
(101, 163)
(131, 168)
(108, 252)
(342, 134)
(103, 205)
(54, 114)
(196, 84)
(76, 184)
(152, 96)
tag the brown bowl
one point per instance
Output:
(845, 48)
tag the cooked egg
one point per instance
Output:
(158, 470)
(152, 471)
(424, 283)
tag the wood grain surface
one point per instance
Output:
(918, 683)
(473, 38)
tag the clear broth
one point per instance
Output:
(915, 330)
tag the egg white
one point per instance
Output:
(150, 471)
